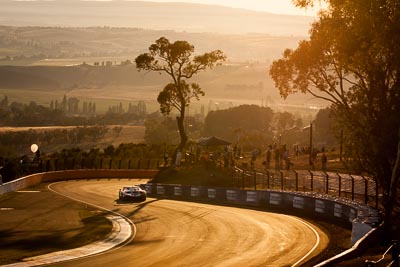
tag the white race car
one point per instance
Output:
(134, 193)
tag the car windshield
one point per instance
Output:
(130, 189)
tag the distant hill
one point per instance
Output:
(235, 83)
(150, 15)
(44, 43)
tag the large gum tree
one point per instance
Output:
(352, 60)
(177, 60)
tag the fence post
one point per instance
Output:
(326, 183)
(255, 180)
(340, 183)
(281, 179)
(366, 198)
(110, 164)
(268, 176)
(120, 164)
(376, 193)
(312, 181)
(395, 253)
(242, 179)
(47, 165)
(352, 187)
(297, 180)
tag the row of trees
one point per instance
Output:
(248, 126)
(64, 113)
(13, 144)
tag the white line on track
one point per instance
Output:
(119, 237)
(102, 208)
(314, 247)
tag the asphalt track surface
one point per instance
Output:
(176, 233)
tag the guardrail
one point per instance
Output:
(394, 252)
(362, 217)
(345, 186)
(54, 176)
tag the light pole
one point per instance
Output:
(311, 144)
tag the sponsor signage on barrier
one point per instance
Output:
(275, 198)
(148, 188)
(160, 190)
(298, 202)
(19, 184)
(212, 193)
(194, 191)
(251, 196)
(178, 191)
(320, 206)
(338, 210)
(352, 215)
(231, 195)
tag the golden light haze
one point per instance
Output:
(273, 6)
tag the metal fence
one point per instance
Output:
(58, 164)
(353, 187)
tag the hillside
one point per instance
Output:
(225, 86)
(57, 46)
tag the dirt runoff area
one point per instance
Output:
(35, 221)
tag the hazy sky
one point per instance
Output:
(273, 6)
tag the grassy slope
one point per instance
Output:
(46, 227)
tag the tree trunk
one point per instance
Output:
(181, 127)
(182, 132)
(392, 194)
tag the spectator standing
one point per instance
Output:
(165, 158)
(178, 158)
(324, 161)
(268, 157)
(286, 158)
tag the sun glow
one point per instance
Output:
(272, 6)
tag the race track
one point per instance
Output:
(174, 233)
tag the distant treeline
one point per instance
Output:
(71, 77)
(66, 113)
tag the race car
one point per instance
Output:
(134, 193)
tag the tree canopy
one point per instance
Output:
(352, 60)
(234, 124)
(176, 60)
